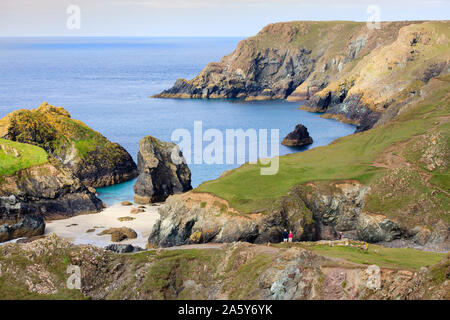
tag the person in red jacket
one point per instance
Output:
(290, 236)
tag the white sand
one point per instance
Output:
(74, 229)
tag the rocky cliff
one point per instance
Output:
(90, 156)
(31, 182)
(313, 271)
(343, 69)
(162, 171)
(200, 218)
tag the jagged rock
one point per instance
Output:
(29, 226)
(162, 171)
(96, 161)
(123, 248)
(298, 138)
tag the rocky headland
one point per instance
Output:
(343, 69)
(162, 171)
(50, 164)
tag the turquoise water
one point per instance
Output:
(107, 82)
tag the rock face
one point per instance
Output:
(312, 211)
(188, 219)
(49, 190)
(298, 138)
(343, 69)
(29, 226)
(162, 171)
(96, 161)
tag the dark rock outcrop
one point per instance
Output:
(162, 171)
(95, 160)
(30, 225)
(49, 190)
(123, 248)
(298, 138)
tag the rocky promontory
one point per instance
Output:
(298, 138)
(96, 161)
(32, 182)
(343, 69)
(162, 171)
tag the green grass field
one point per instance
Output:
(15, 156)
(395, 258)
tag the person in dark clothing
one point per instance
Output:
(285, 235)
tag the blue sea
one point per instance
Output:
(107, 84)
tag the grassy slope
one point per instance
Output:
(396, 258)
(157, 270)
(15, 156)
(349, 157)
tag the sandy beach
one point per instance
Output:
(75, 229)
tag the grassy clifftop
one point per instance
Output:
(15, 156)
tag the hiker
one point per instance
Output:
(285, 236)
(290, 236)
(340, 235)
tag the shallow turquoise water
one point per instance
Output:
(106, 83)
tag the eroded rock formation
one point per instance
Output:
(162, 171)
(298, 138)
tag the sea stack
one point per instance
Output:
(298, 138)
(162, 171)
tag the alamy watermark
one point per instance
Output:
(74, 19)
(374, 19)
(74, 280)
(237, 146)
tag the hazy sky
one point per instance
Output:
(194, 17)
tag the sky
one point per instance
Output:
(201, 18)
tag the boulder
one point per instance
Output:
(298, 138)
(29, 226)
(162, 171)
(123, 248)
(119, 234)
